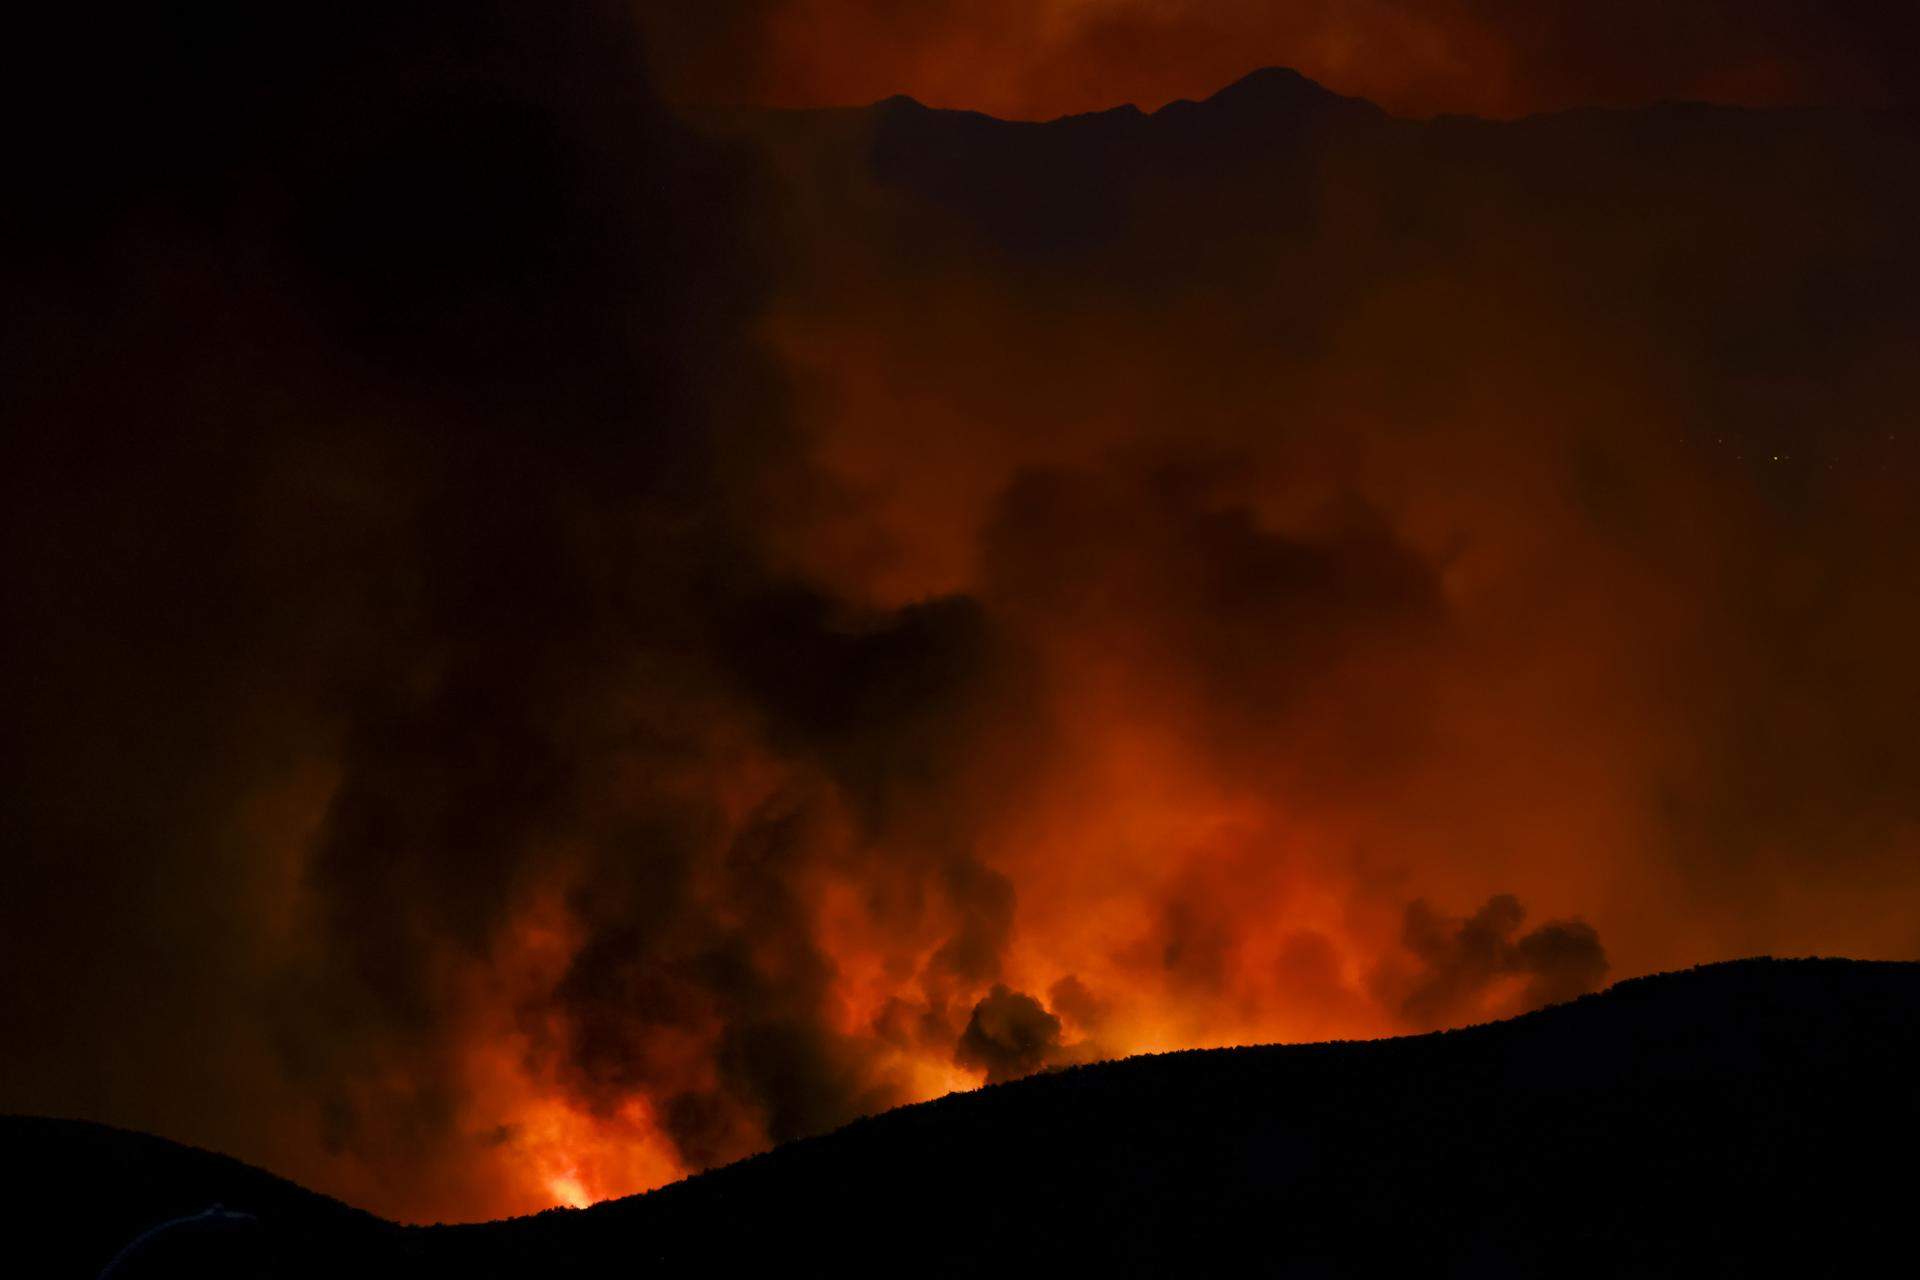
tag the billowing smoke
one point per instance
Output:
(408, 693)
(1010, 1035)
(561, 644)
(1483, 966)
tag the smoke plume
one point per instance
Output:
(558, 643)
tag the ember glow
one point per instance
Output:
(564, 642)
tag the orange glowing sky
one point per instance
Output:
(1039, 59)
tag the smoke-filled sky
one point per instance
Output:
(1037, 59)
(557, 640)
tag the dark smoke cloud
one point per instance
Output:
(1072, 999)
(385, 456)
(1463, 962)
(1529, 487)
(1169, 568)
(1010, 1034)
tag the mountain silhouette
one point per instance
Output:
(1741, 1118)
(1074, 184)
(1757, 262)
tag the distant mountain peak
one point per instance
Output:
(1278, 91)
(1267, 91)
(1274, 82)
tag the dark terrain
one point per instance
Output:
(1736, 1119)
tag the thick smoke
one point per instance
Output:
(1392, 510)
(408, 689)
(561, 649)
(1483, 966)
(1010, 1035)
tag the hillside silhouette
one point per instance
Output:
(1736, 1118)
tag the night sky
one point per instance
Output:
(581, 602)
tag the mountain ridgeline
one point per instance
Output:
(1751, 270)
(1732, 1119)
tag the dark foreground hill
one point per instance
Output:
(1743, 1118)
